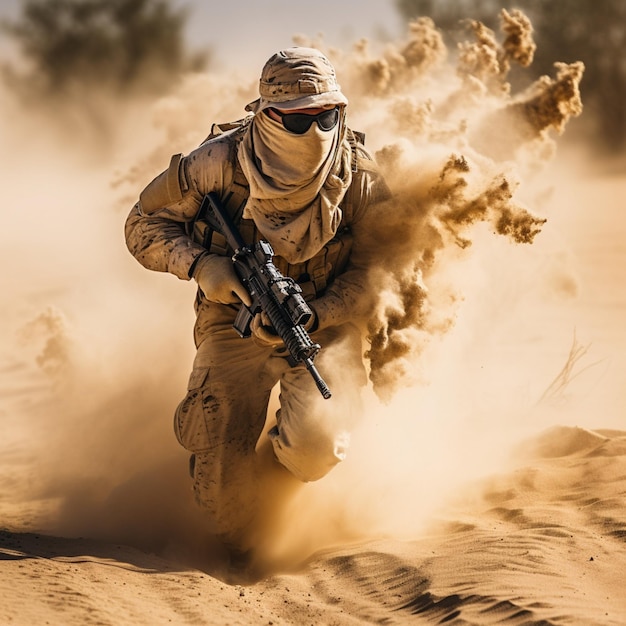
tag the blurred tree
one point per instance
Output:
(592, 31)
(118, 46)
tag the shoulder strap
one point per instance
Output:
(233, 196)
(225, 127)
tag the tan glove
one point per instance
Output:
(216, 277)
(264, 332)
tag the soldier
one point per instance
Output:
(294, 174)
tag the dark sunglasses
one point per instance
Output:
(299, 123)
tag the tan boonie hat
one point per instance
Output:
(297, 78)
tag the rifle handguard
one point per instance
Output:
(280, 297)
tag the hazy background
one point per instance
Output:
(244, 31)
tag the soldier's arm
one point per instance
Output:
(161, 244)
(155, 228)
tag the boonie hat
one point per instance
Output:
(297, 78)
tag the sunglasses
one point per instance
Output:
(299, 123)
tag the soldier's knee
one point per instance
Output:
(309, 458)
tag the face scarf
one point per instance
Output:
(296, 184)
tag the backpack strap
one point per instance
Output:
(234, 200)
(354, 138)
(234, 196)
(224, 127)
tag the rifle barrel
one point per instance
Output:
(319, 381)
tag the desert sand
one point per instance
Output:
(543, 544)
(488, 486)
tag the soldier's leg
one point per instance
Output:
(312, 434)
(220, 421)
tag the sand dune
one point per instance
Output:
(543, 544)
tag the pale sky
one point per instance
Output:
(249, 31)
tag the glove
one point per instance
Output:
(265, 334)
(218, 281)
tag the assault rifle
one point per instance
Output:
(277, 295)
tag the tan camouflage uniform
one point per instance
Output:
(221, 418)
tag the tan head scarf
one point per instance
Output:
(296, 181)
(296, 185)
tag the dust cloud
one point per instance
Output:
(96, 350)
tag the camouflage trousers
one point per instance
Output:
(222, 417)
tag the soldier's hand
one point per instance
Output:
(264, 332)
(218, 281)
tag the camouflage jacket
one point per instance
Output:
(165, 233)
